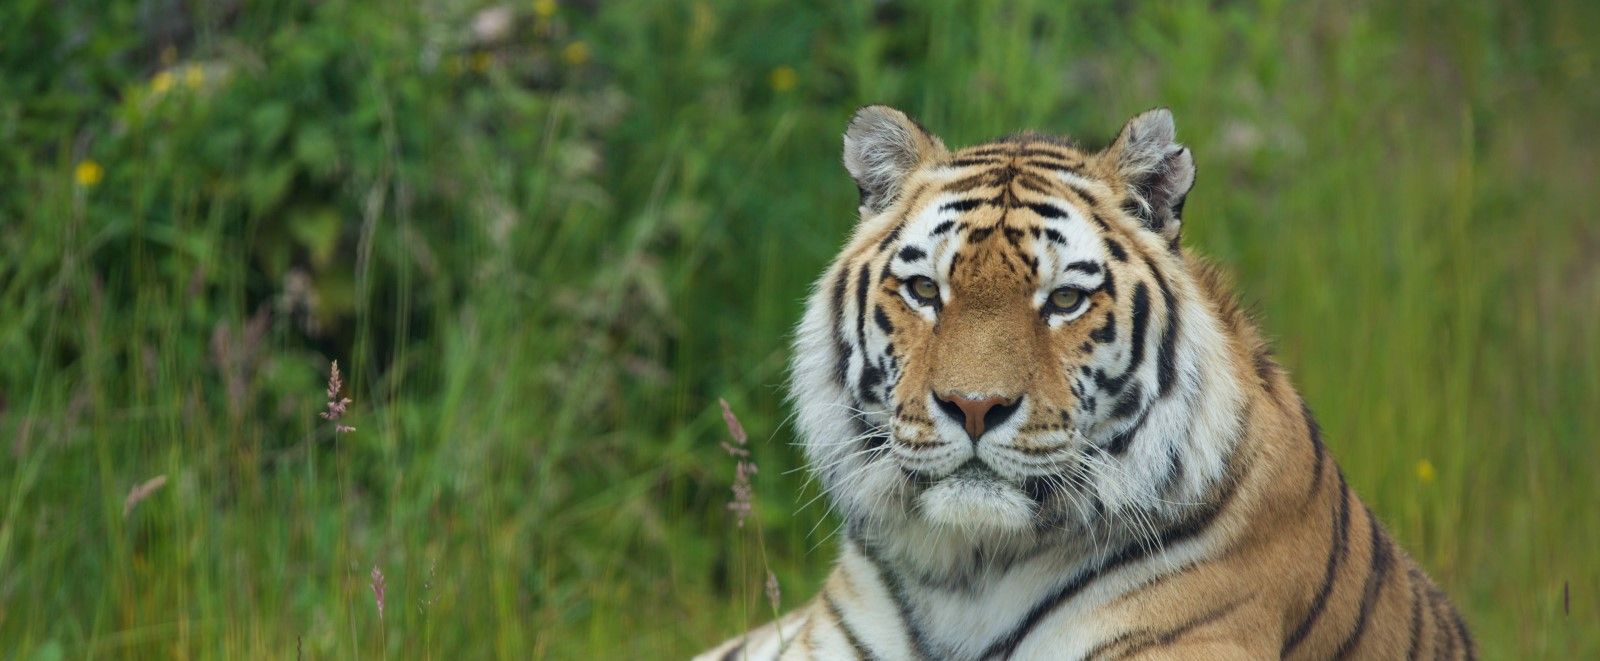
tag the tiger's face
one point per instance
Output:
(1005, 323)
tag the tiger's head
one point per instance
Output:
(1012, 344)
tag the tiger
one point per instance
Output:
(1052, 432)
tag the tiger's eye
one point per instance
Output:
(1066, 298)
(925, 288)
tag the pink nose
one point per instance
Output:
(977, 415)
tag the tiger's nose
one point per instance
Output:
(977, 414)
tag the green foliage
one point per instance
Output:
(542, 253)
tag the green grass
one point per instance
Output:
(540, 269)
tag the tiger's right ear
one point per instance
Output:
(882, 146)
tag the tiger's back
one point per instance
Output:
(1054, 434)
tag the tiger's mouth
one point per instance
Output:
(975, 470)
(974, 497)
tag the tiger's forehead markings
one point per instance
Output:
(1038, 164)
(1028, 161)
(962, 203)
(1026, 152)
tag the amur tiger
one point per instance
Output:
(1052, 433)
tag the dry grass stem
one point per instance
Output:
(337, 406)
(742, 491)
(141, 492)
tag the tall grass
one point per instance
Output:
(541, 265)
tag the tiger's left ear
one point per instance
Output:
(1157, 171)
(882, 147)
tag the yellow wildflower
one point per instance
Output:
(1425, 473)
(88, 173)
(161, 82)
(544, 8)
(168, 56)
(783, 79)
(575, 53)
(194, 76)
(480, 62)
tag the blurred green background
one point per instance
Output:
(543, 238)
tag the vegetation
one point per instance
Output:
(543, 239)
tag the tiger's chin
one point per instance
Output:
(976, 502)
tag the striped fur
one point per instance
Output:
(1157, 489)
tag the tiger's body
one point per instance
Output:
(1053, 434)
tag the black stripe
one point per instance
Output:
(1004, 150)
(874, 444)
(1377, 574)
(1088, 198)
(861, 328)
(1105, 333)
(1264, 367)
(1128, 402)
(971, 181)
(1048, 211)
(862, 652)
(1435, 600)
(890, 237)
(941, 228)
(897, 592)
(1175, 469)
(882, 319)
(1033, 153)
(1116, 250)
(1034, 183)
(1416, 615)
(1052, 164)
(1141, 323)
(1141, 326)
(1166, 360)
(969, 162)
(963, 205)
(1166, 638)
(1314, 430)
(1105, 646)
(911, 254)
(1336, 553)
(842, 370)
(1090, 268)
(1006, 645)
(1119, 443)
(871, 378)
